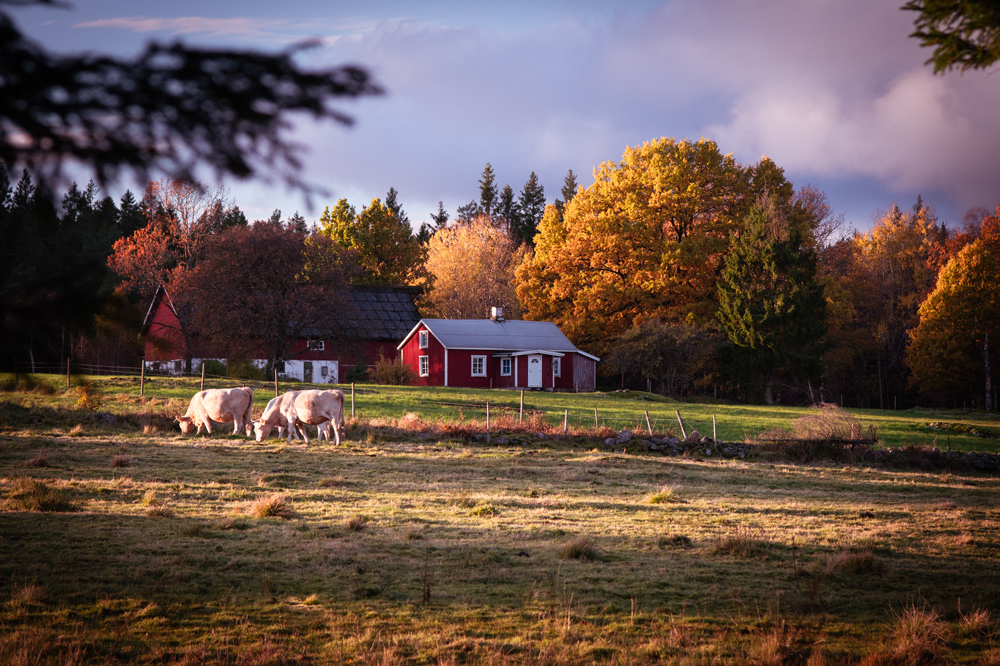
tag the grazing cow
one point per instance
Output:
(273, 417)
(222, 405)
(315, 407)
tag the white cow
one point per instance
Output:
(222, 405)
(273, 417)
(315, 407)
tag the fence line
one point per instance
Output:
(556, 417)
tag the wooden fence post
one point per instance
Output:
(681, 421)
(352, 400)
(142, 378)
(487, 424)
(67, 373)
(276, 382)
(566, 423)
(715, 437)
(520, 418)
(648, 426)
(597, 426)
(203, 374)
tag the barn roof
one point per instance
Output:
(381, 313)
(509, 335)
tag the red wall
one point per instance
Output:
(165, 340)
(460, 367)
(435, 351)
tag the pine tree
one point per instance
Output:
(507, 208)
(488, 198)
(530, 208)
(569, 187)
(771, 307)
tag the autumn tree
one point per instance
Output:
(644, 242)
(877, 281)
(258, 289)
(952, 352)
(386, 249)
(472, 267)
(771, 308)
(181, 217)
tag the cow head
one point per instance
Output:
(261, 429)
(187, 424)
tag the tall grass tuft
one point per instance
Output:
(29, 494)
(272, 506)
(580, 548)
(745, 542)
(919, 636)
(664, 495)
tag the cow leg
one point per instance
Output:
(305, 433)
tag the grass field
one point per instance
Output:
(123, 542)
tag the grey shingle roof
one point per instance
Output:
(381, 313)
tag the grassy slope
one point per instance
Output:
(163, 559)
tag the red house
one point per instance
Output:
(369, 329)
(496, 353)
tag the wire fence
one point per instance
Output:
(508, 408)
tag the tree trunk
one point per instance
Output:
(989, 386)
(768, 395)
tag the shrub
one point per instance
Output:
(88, 397)
(121, 461)
(392, 372)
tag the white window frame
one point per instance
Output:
(315, 345)
(423, 340)
(505, 365)
(482, 361)
(424, 364)
(556, 366)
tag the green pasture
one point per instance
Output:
(961, 430)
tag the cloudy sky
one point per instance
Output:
(834, 91)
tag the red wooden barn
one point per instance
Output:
(496, 353)
(371, 328)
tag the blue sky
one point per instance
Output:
(834, 91)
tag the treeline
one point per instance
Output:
(685, 271)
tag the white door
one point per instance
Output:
(535, 371)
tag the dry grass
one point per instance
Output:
(664, 495)
(27, 494)
(919, 636)
(855, 559)
(41, 460)
(121, 461)
(744, 542)
(580, 548)
(272, 506)
(357, 523)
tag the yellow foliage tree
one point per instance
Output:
(949, 351)
(385, 246)
(472, 269)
